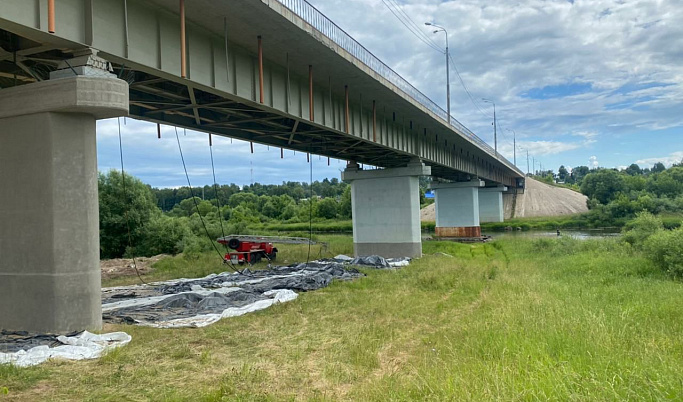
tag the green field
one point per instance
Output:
(517, 319)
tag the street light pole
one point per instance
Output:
(514, 146)
(448, 71)
(495, 133)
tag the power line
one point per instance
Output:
(417, 27)
(417, 33)
(462, 82)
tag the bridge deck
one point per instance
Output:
(221, 94)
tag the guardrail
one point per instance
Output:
(319, 21)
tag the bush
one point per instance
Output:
(640, 229)
(665, 249)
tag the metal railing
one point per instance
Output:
(319, 21)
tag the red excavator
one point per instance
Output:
(252, 249)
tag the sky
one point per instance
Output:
(594, 83)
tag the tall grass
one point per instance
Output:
(518, 319)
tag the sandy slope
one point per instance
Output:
(539, 199)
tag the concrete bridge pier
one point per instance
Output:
(457, 208)
(386, 209)
(491, 204)
(49, 219)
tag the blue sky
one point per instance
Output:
(594, 83)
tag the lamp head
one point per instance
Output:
(428, 23)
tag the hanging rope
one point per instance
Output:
(194, 199)
(125, 202)
(215, 190)
(310, 208)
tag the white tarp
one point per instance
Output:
(203, 320)
(81, 347)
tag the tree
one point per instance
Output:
(327, 208)
(246, 199)
(633, 170)
(345, 207)
(188, 205)
(579, 172)
(562, 174)
(603, 185)
(138, 204)
(658, 167)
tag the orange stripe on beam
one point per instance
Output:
(346, 91)
(51, 16)
(183, 46)
(310, 92)
(374, 121)
(260, 67)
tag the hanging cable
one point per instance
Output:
(410, 21)
(218, 201)
(469, 94)
(125, 201)
(412, 30)
(194, 199)
(310, 209)
(405, 19)
(215, 190)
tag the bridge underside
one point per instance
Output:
(165, 101)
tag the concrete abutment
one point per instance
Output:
(49, 231)
(386, 210)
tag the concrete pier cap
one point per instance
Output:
(49, 236)
(457, 208)
(386, 209)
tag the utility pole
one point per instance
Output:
(527, 161)
(448, 80)
(514, 145)
(533, 164)
(495, 133)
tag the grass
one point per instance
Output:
(517, 319)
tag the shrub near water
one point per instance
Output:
(665, 249)
(640, 229)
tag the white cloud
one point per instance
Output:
(593, 162)
(674, 157)
(623, 51)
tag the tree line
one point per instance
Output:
(136, 219)
(616, 196)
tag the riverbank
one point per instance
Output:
(538, 319)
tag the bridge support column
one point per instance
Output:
(457, 208)
(49, 220)
(491, 204)
(386, 210)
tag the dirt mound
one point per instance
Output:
(539, 199)
(118, 267)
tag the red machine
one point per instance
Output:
(249, 249)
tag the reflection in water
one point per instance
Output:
(577, 234)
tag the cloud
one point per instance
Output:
(579, 58)
(601, 71)
(158, 163)
(674, 157)
(593, 162)
(540, 148)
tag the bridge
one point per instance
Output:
(273, 72)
